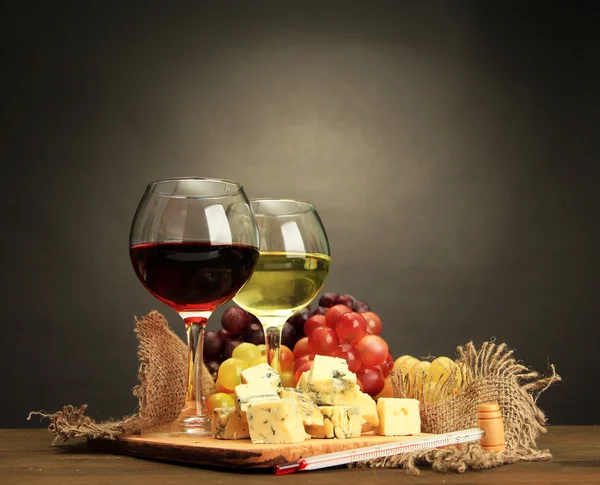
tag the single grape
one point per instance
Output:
(254, 334)
(351, 327)
(347, 300)
(219, 400)
(253, 318)
(298, 362)
(404, 363)
(320, 310)
(299, 319)
(323, 340)
(220, 388)
(288, 335)
(328, 300)
(228, 348)
(213, 367)
(247, 352)
(224, 335)
(262, 348)
(213, 346)
(373, 323)
(334, 313)
(235, 320)
(349, 354)
(373, 350)
(230, 373)
(312, 323)
(286, 358)
(301, 348)
(361, 306)
(288, 379)
(372, 380)
(259, 360)
(387, 365)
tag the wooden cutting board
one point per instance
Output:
(206, 450)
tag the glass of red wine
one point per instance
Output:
(193, 245)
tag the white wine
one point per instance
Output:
(283, 283)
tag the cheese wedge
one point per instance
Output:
(227, 424)
(262, 372)
(338, 422)
(309, 411)
(275, 421)
(398, 417)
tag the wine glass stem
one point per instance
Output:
(195, 326)
(273, 342)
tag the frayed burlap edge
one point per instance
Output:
(488, 374)
(162, 375)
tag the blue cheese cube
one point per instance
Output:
(260, 390)
(262, 372)
(275, 421)
(327, 376)
(227, 424)
(338, 422)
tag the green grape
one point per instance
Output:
(246, 352)
(230, 373)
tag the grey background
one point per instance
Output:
(450, 148)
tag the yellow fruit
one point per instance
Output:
(388, 389)
(230, 373)
(219, 400)
(399, 360)
(246, 352)
(417, 374)
(441, 368)
(262, 348)
(287, 378)
(261, 359)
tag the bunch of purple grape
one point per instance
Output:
(240, 326)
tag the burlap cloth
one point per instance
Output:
(487, 374)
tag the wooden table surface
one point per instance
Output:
(26, 456)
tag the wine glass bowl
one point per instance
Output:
(292, 267)
(193, 244)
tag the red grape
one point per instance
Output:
(320, 310)
(359, 384)
(235, 320)
(351, 327)
(305, 358)
(334, 314)
(328, 300)
(288, 335)
(347, 300)
(213, 367)
(322, 341)
(373, 350)
(312, 323)
(301, 348)
(372, 380)
(299, 319)
(303, 368)
(349, 354)
(373, 323)
(361, 307)
(387, 365)
(254, 334)
(224, 335)
(213, 345)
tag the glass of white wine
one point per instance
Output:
(292, 266)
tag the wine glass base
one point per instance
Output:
(183, 426)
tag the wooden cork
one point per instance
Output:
(490, 420)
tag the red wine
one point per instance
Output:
(193, 276)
